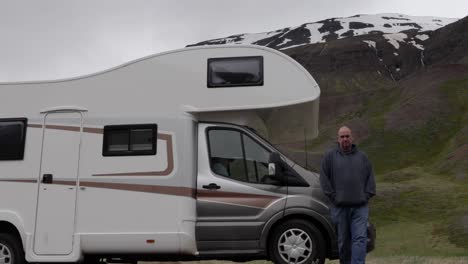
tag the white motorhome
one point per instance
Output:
(155, 159)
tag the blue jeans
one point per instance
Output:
(351, 227)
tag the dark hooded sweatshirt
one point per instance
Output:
(347, 178)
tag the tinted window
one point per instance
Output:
(256, 158)
(117, 140)
(235, 155)
(141, 139)
(240, 71)
(226, 153)
(12, 138)
(130, 140)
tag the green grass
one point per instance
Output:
(456, 93)
(423, 198)
(414, 214)
(369, 260)
(394, 149)
(412, 260)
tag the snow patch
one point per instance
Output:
(293, 46)
(422, 37)
(399, 23)
(395, 38)
(419, 46)
(315, 35)
(285, 41)
(251, 38)
(397, 69)
(395, 53)
(422, 58)
(371, 43)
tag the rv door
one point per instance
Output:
(234, 194)
(55, 215)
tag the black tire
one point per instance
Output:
(11, 249)
(310, 247)
(92, 260)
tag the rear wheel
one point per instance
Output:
(297, 241)
(11, 250)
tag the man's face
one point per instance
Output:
(345, 139)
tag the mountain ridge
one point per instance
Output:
(337, 28)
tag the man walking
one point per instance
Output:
(348, 181)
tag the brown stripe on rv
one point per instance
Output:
(71, 183)
(35, 125)
(242, 199)
(19, 180)
(167, 171)
(93, 130)
(246, 199)
(170, 190)
(70, 128)
(67, 128)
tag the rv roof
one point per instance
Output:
(172, 82)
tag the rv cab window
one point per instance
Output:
(237, 71)
(12, 138)
(130, 140)
(235, 155)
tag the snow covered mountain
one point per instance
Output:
(395, 28)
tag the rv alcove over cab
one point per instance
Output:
(155, 159)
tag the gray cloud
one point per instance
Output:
(52, 39)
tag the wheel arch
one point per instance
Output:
(11, 223)
(319, 221)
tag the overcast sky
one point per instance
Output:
(53, 39)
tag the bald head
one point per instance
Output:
(345, 138)
(344, 129)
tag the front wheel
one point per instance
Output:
(11, 251)
(296, 241)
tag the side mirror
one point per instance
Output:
(271, 169)
(274, 168)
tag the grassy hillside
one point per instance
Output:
(422, 207)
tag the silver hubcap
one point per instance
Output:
(295, 246)
(5, 254)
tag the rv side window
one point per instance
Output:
(237, 71)
(130, 140)
(235, 155)
(12, 138)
